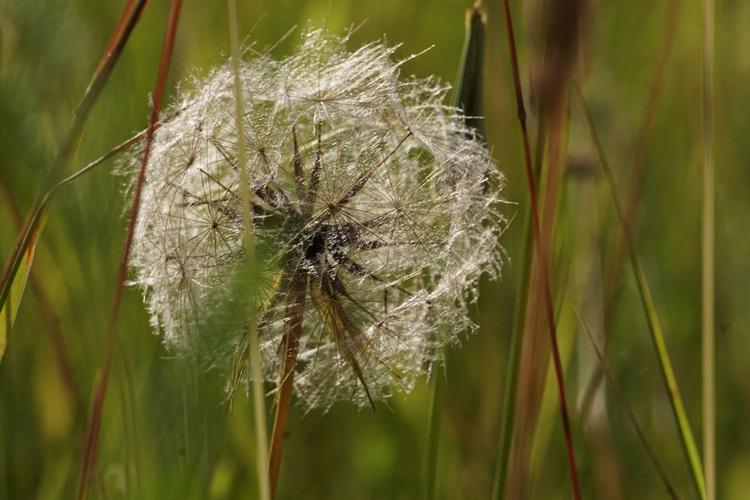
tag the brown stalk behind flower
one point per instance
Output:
(101, 389)
(295, 303)
(562, 36)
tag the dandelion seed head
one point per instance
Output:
(369, 195)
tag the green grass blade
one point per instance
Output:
(708, 298)
(468, 87)
(468, 96)
(657, 335)
(259, 407)
(17, 286)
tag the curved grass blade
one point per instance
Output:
(468, 96)
(15, 291)
(18, 285)
(657, 335)
(16, 272)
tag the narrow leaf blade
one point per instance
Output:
(16, 288)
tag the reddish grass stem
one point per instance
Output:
(122, 24)
(101, 390)
(540, 253)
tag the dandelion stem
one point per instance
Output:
(541, 257)
(259, 406)
(290, 343)
(434, 419)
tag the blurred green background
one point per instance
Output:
(165, 433)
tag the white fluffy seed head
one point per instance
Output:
(369, 195)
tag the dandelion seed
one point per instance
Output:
(369, 206)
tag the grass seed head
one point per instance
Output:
(370, 200)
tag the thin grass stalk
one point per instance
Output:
(629, 413)
(657, 336)
(434, 420)
(101, 388)
(708, 258)
(468, 96)
(259, 406)
(507, 419)
(541, 257)
(120, 27)
(123, 146)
